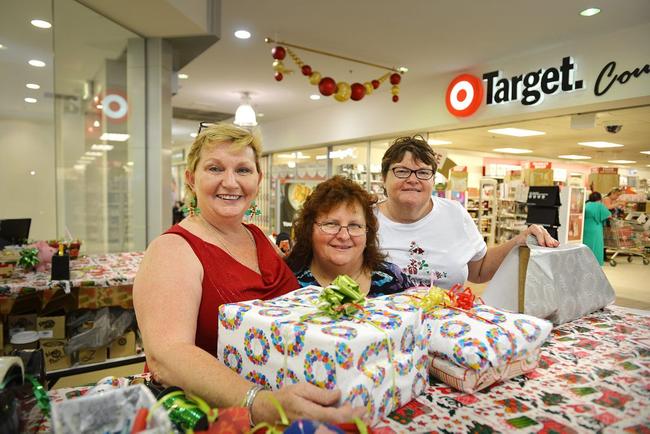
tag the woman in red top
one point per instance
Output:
(208, 259)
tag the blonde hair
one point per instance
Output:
(238, 137)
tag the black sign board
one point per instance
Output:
(543, 196)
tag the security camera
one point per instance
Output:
(613, 128)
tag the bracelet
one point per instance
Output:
(249, 399)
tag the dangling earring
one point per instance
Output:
(252, 211)
(191, 209)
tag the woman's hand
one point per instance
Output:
(544, 239)
(304, 401)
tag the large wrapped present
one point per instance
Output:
(377, 356)
(477, 345)
(558, 284)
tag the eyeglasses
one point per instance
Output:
(404, 172)
(331, 228)
(204, 125)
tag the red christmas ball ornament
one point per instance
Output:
(375, 83)
(306, 70)
(327, 86)
(278, 52)
(278, 76)
(358, 91)
(395, 78)
(395, 98)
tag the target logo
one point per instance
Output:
(115, 106)
(464, 95)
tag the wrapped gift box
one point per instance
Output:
(286, 340)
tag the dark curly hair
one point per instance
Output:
(416, 145)
(326, 196)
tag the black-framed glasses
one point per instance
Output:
(204, 125)
(404, 172)
(333, 228)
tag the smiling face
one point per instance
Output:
(410, 192)
(340, 250)
(225, 181)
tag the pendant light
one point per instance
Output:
(245, 115)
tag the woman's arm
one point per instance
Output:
(482, 270)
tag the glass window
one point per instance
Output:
(377, 150)
(351, 161)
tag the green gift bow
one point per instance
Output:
(341, 298)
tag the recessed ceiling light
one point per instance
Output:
(79, 167)
(129, 163)
(590, 12)
(242, 34)
(516, 132)
(182, 76)
(87, 158)
(3, 47)
(96, 124)
(94, 153)
(574, 157)
(32, 172)
(260, 115)
(31, 100)
(621, 161)
(438, 142)
(513, 150)
(645, 152)
(114, 137)
(41, 24)
(32, 86)
(314, 97)
(37, 63)
(101, 147)
(99, 106)
(403, 69)
(192, 135)
(600, 144)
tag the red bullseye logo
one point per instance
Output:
(464, 95)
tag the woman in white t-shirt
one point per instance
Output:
(434, 240)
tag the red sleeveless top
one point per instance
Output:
(227, 281)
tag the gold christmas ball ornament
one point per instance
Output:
(314, 78)
(369, 87)
(394, 90)
(343, 91)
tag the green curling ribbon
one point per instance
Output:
(29, 258)
(273, 429)
(42, 398)
(186, 410)
(341, 298)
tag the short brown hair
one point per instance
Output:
(325, 197)
(416, 145)
(220, 133)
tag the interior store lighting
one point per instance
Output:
(621, 161)
(94, 153)
(182, 76)
(101, 147)
(31, 100)
(314, 97)
(41, 24)
(242, 34)
(33, 86)
(37, 63)
(245, 115)
(114, 137)
(645, 152)
(575, 157)
(3, 47)
(193, 135)
(438, 142)
(32, 172)
(87, 158)
(599, 144)
(260, 115)
(513, 150)
(79, 167)
(516, 132)
(96, 124)
(590, 12)
(294, 156)
(403, 69)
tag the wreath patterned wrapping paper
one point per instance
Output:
(286, 340)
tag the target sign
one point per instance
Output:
(464, 95)
(115, 106)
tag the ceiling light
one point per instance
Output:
(590, 12)
(245, 115)
(96, 124)
(41, 24)
(37, 63)
(94, 153)
(314, 97)
(114, 137)
(516, 132)
(645, 152)
(291, 164)
(403, 69)
(260, 115)
(438, 142)
(321, 157)
(87, 158)
(32, 86)
(31, 100)
(183, 76)
(79, 167)
(99, 106)
(129, 163)
(621, 161)
(3, 47)
(574, 157)
(242, 34)
(513, 150)
(600, 144)
(193, 135)
(101, 147)
(32, 172)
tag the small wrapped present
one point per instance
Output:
(376, 355)
(473, 345)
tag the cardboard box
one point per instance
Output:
(91, 355)
(21, 323)
(54, 354)
(51, 327)
(123, 346)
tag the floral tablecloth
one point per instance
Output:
(594, 376)
(114, 269)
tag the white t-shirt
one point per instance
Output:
(436, 247)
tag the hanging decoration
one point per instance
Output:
(327, 86)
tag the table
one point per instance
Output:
(593, 376)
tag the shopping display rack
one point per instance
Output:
(627, 237)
